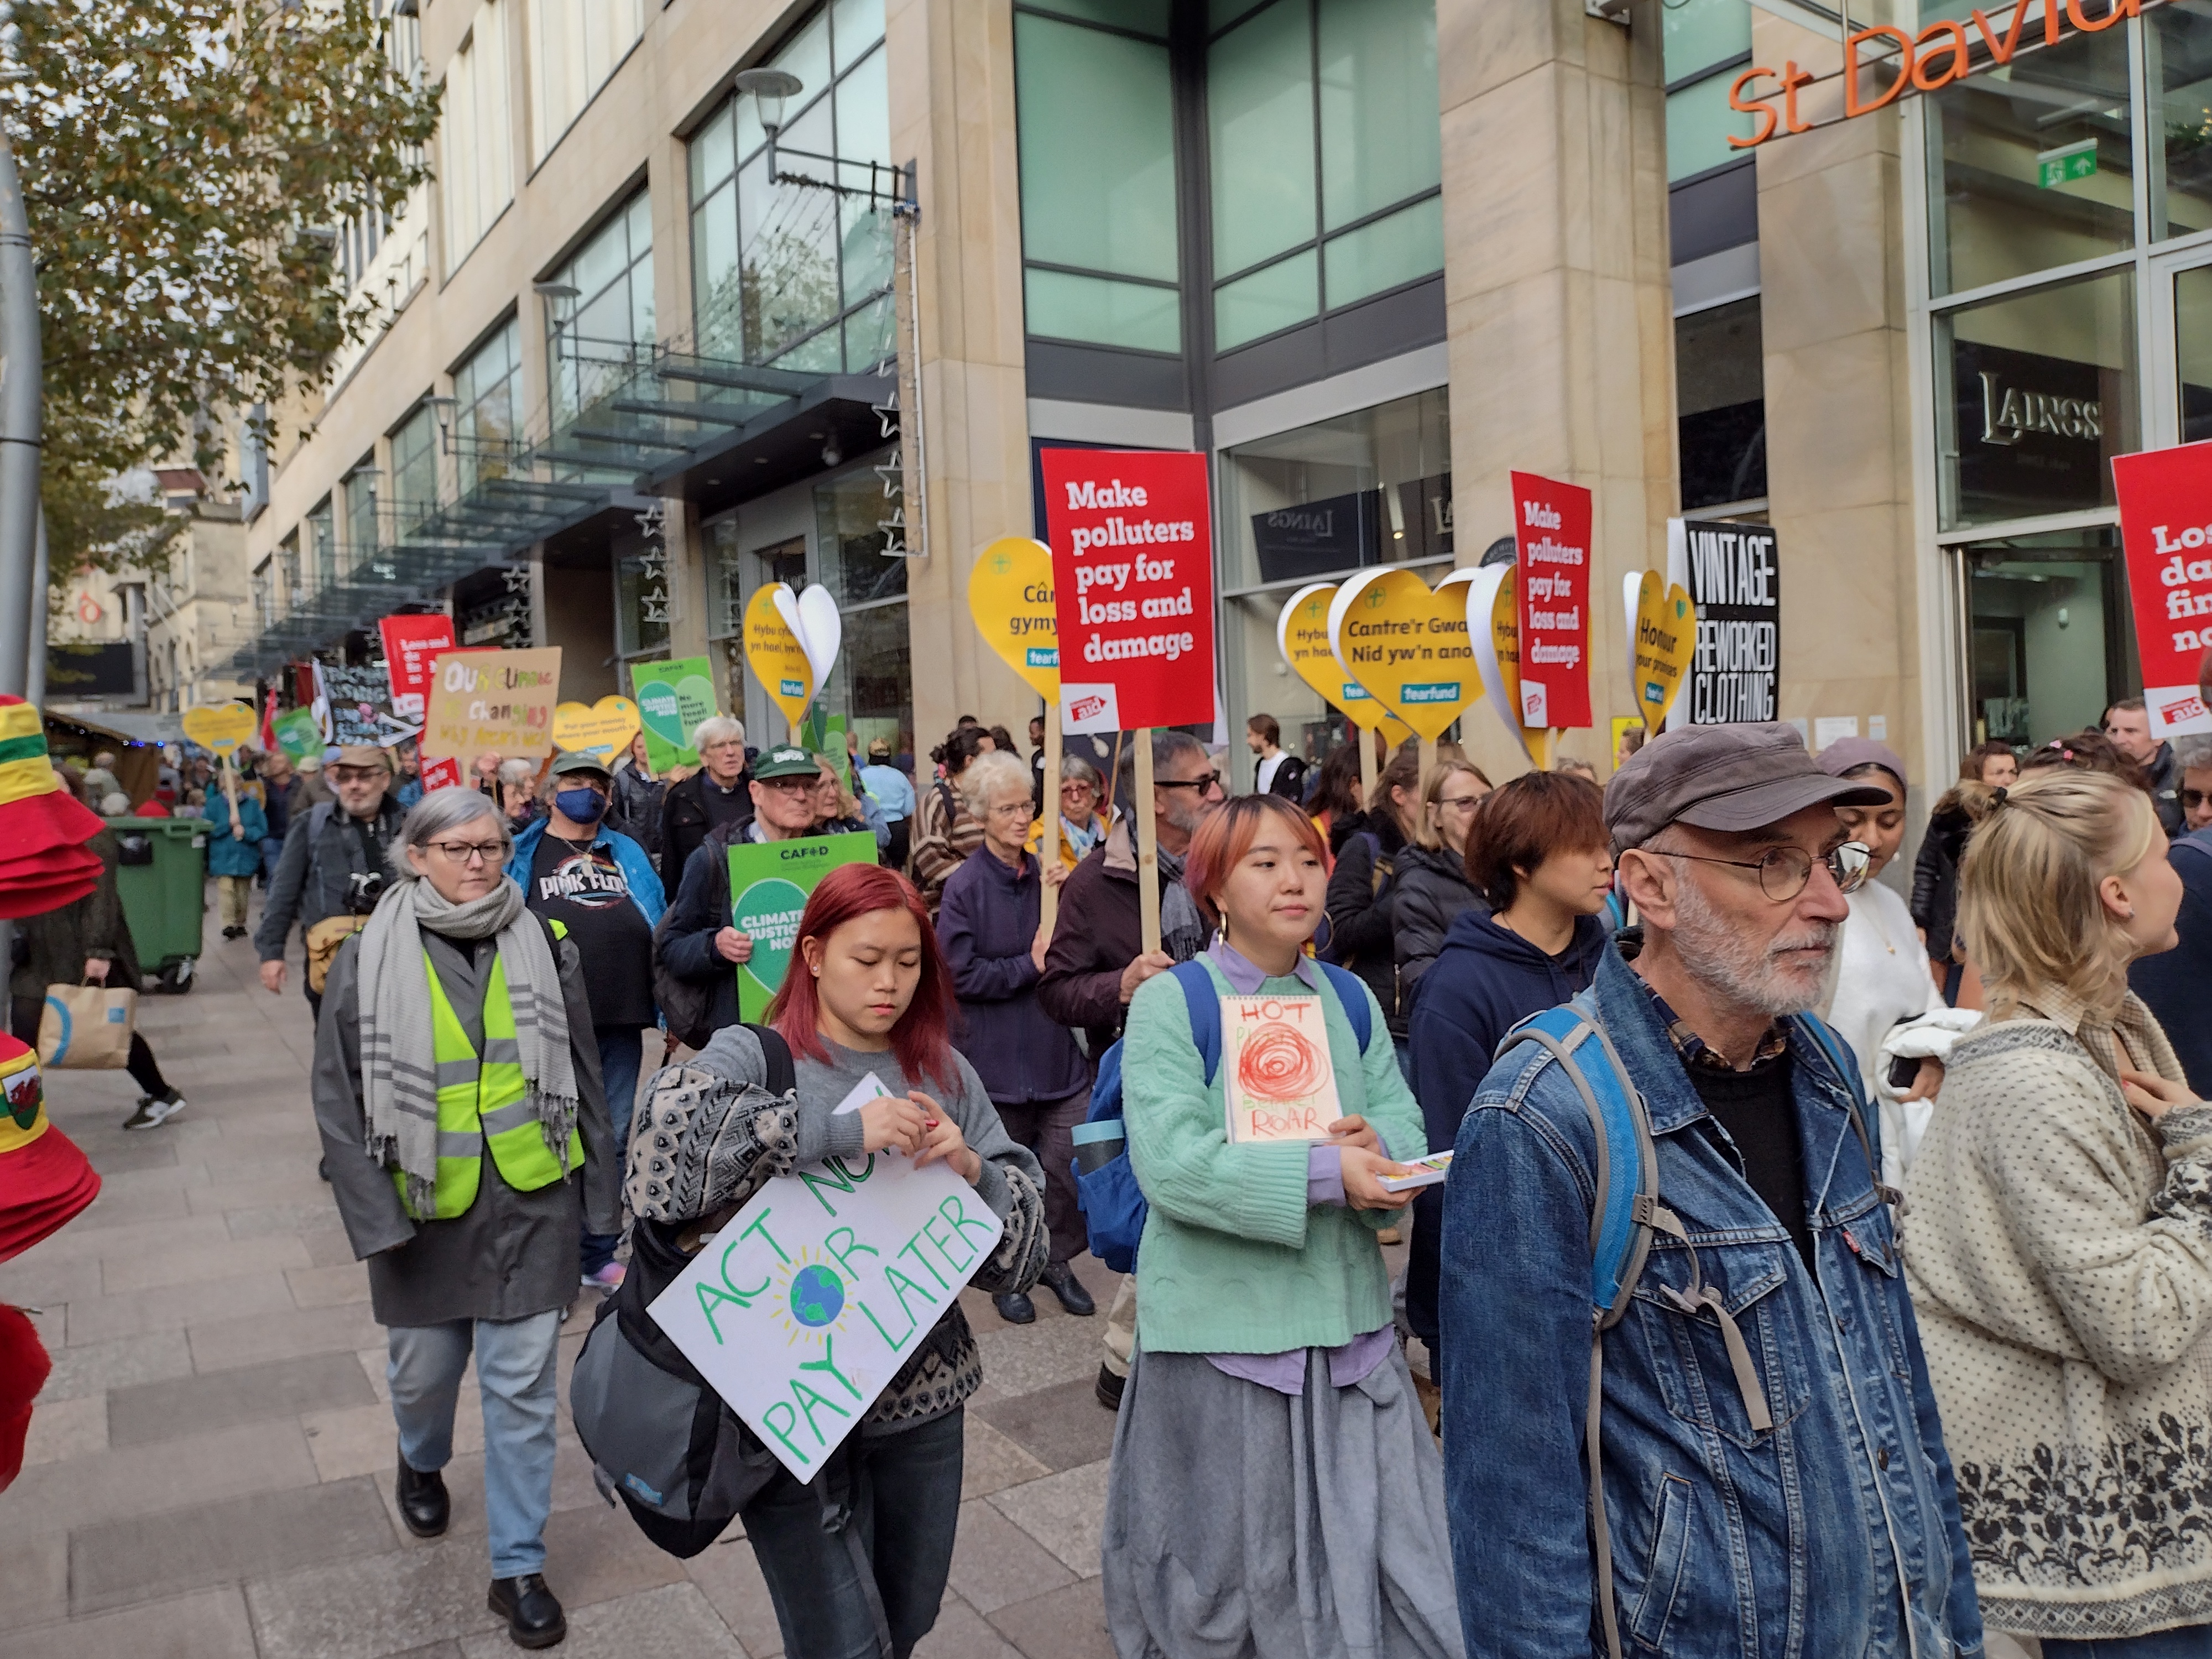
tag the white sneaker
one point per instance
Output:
(152, 1112)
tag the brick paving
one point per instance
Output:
(209, 1474)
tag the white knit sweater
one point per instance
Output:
(2059, 1251)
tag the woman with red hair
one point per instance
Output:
(865, 1009)
(1274, 1487)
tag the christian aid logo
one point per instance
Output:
(1086, 709)
(2183, 708)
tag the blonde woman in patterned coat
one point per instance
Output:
(2058, 1240)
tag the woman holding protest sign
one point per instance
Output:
(1268, 1386)
(867, 1011)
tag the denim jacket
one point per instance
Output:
(1727, 1542)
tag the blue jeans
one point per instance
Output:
(517, 1374)
(272, 848)
(906, 1503)
(2190, 1641)
(621, 1058)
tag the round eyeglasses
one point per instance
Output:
(1783, 870)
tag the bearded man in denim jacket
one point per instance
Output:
(1774, 1480)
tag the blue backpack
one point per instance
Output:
(1113, 1207)
(1626, 1213)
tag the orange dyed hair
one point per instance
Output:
(1227, 834)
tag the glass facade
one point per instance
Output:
(783, 273)
(595, 336)
(413, 469)
(1720, 404)
(1705, 43)
(487, 395)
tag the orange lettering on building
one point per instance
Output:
(2120, 9)
(1851, 105)
(1792, 78)
(1952, 43)
(1737, 101)
(2003, 54)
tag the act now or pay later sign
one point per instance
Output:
(1131, 543)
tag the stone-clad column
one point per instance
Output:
(1556, 300)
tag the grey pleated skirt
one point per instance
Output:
(1242, 1523)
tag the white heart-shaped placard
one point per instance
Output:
(821, 631)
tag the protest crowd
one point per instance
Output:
(1792, 1265)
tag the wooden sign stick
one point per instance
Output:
(1428, 765)
(1048, 843)
(1139, 809)
(1369, 770)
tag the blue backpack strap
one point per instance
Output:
(1204, 1002)
(1351, 994)
(1816, 1032)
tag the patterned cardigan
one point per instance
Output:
(2058, 1247)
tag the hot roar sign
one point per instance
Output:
(1133, 580)
(2166, 526)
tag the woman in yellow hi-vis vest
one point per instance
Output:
(457, 1088)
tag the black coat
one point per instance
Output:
(1359, 902)
(1935, 878)
(684, 822)
(51, 948)
(314, 869)
(1431, 889)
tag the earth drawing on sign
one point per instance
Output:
(1281, 1085)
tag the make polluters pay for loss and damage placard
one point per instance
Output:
(800, 1312)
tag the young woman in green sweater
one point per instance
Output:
(1274, 1487)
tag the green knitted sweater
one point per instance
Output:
(1234, 1260)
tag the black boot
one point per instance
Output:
(1015, 1308)
(423, 1504)
(533, 1615)
(1059, 1278)
(1108, 1388)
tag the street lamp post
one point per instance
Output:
(21, 431)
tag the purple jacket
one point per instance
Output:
(985, 921)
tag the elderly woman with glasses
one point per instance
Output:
(457, 1090)
(1081, 825)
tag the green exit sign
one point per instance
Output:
(2065, 164)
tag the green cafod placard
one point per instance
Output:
(769, 884)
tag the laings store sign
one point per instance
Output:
(1940, 53)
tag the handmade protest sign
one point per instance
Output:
(361, 711)
(1662, 633)
(1408, 644)
(803, 1307)
(769, 883)
(1302, 636)
(220, 727)
(673, 698)
(1733, 575)
(602, 729)
(774, 653)
(497, 701)
(1278, 1083)
(1132, 539)
(1551, 533)
(2166, 520)
(1010, 597)
(411, 644)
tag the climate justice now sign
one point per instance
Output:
(1132, 539)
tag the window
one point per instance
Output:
(874, 672)
(323, 544)
(593, 338)
(2179, 40)
(2050, 641)
(1719, 402)
(414, 470)
(1097, 116)
(2032, 168)
(361, 538)
(485, 391)
(785, 273)
(2041, 395)
(1706, 43)
(287, 569)
(1352, 85)
(477, 163)
(575, 45)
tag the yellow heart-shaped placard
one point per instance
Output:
(1302, 636)
(1408, 644)
(1010, 597)
(221, 727)
(1664, 638)
(601, 729)
(1493, 616)
(775, 656)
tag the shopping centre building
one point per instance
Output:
(1370, 256)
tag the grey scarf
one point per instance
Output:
(398, 1074)
(1183, 930)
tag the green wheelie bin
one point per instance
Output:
(161, 875)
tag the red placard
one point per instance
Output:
(1552, 532)
(410, 644)
(1132, 539)
(2165, 527)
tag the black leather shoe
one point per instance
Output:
(1109, 1389)
(533, 1615)
(423, 1504)
(1059, 1278)
(1015, 1309)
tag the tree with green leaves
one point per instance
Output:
(185, 163)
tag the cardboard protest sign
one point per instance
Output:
(1662, 633)
(774, 653)
(1408, 644)
(1302, 636)
(1552, 532)
(499, 701)
(1732, 574)
(220, 727)
(1132, 537)
(602, 729)
(802, 1308)
(1010, 597)
(299, 734)
(1279, 1084)
(673, 698)
(411, 644)
(769, 883)
(361, 710)
(2165, 520)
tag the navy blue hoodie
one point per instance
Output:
(1484, 983)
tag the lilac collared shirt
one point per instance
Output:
(1285, 1372)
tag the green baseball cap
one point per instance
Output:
(786, 761)
(576, 760)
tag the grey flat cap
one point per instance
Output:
(1722, 777)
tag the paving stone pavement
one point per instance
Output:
(209, 1474)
